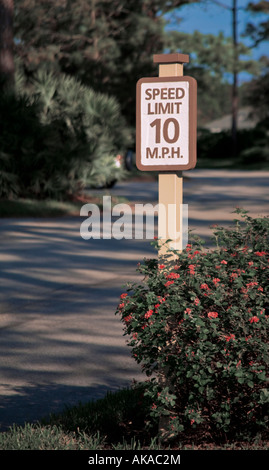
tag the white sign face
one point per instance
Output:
(166, 123)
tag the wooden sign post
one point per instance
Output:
(166, 139)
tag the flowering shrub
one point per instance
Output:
(197, 326)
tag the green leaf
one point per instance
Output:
(241, 380)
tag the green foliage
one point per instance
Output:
(212, 53)
(50, 137)
(64, 98)
(104, 171)
(108, 44)
(211, 63)
(97, 116)
(40, 160)
(252, 145)
(197, 326)
(259, 32)
(256, 93)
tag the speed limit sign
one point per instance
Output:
(166, 117)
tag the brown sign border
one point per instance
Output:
(192, 124)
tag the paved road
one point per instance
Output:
(211, 195)
(60, 342)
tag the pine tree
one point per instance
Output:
(259, 32)
(6, 43)
(107, 44)
(211, 62)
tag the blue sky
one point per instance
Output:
(210, 18)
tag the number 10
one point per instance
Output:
(167, 122)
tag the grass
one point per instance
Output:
(48, 208)
(34, 208)
(119, 421)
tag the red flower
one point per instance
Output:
(193, 254)
(173, 276)
(251, 284)
(188, 311)
(128, 318)
(223, 262)
(123, 296)
(168, 283)
(196, 301)
(161, 266)
(204, 286)
(234, 275)
(121, 305)
(216, 280)
(191, 268)
(229, 337)
(254, 319)
(212, 314)
(148, 313)
(260, 253)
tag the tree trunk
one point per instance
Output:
(7, 67)
(235, 86)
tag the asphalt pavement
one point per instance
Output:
(60, 341)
